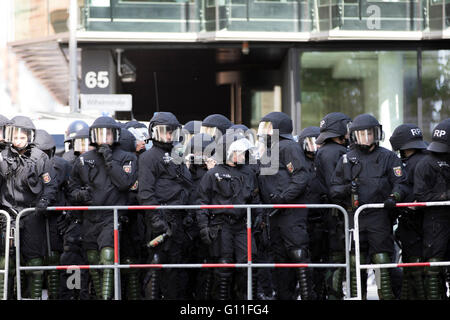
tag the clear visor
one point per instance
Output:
(309, 144)
(364, 137)
(104, 135)
(265, 128)
(236, 150)
(212, 131)
(187, 138)
(165, 133)
(81, 145)
(18, 137)
(141, 134)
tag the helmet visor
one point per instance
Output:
(104, 135)
(164, 133)
(365, 137)
(141, 134)
(212, 131)
(236, 150)
(309, 144)
(18, 137)
(81, 145)
(265, 128)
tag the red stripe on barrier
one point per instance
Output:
(146, 265)
(249, 244)
(116, 246)
(412, 204)
(218, 265)
(291, 265)
(287, 206)
(225, 206)
(70, 208)
(143, 207)
(72, 267)
(414, 264)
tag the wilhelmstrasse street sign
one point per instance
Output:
(105, 102)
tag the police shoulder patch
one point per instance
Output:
(290, 167)
(398, 171)
(127, 168)
(46, 177)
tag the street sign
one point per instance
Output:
(105, 102)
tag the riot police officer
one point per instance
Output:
(28, 181)
(334, 140)
(140, 133)
(432, 183)
(231, 181)
(102, 177)
(407, 139)
(165, 180)
(288, 227)
(70, 133)
(371, 174)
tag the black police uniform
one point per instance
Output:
(377, 174)
(226, 229)
(288, 227)
(99, 182)
(162, 181)
(432, 183)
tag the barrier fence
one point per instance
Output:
(358, 266)
(7, 241)
(249, 265)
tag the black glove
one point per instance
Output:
(106, 152)
(83, 196)
(205, 235)
(159, 226)
(276, 198)
(41, 207)
(188, 220)
(390, 202)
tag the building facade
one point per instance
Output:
(245, 58)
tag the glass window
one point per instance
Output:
(435, 89)
(382, 83)
(264, 102)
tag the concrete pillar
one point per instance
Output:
(390, 92)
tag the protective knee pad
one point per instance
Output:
(152, 289)
(36, 278)
(433, 281)
(416, 283)
(353, 284)
(132, 277)
(107, 258)
(53, 276)
(385, 290)
(93, 258)
(224, 277)
(299, 255)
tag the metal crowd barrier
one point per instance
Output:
(5, 270)
(249, 265)
(359, 266)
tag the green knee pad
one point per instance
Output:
(36, 278)
(433, 283)
(353, 289)
(53, 276)
(385, 292)
(107, 258)
(93, 258)
(132, 277)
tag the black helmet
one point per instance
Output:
(276, 121)
(440, 140)
(45, 142)
(162, 123)
(308, 138)
(18, 125)
(138, 129)
(104, 130)
(407, 136)
(215, 123)
(334, 124)
(73, 128)
(366, 131)
(127, 140)
(245, 131)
